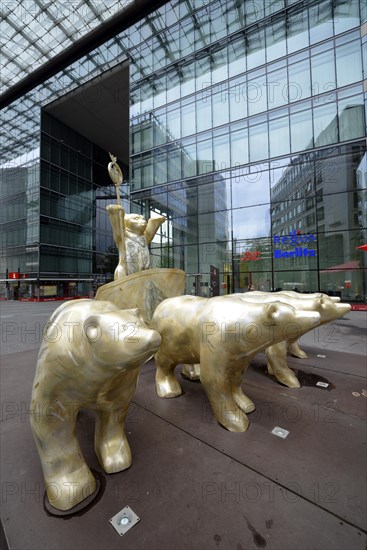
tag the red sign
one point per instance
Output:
(250, 256)
(13, 275)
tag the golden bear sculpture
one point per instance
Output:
(223, 334)
(89, 358)
(276, 354)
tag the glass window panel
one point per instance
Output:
(272, 6)
(203, 113)
(188, 123)
(187, 78)
(277, 84)
(256, 93)
(203, 73)
(250, 223)
(254, 11)
(297, 29)
(323, 72)
(205, 156)
(321, 21)
(279, 137)
(239, 147)
(202, 31)
(160, 133)
(258, 139)
(250, 186)
(219, 65)
(325, 124)
(351, 118)
(160, 87)
(299, 84)
(220, 109)
(189, 164)
(301, 131)
(146, 97)
(217, 20)
(348, 63)
(275, 40)
(174, 163)
(173, 89)
(237, 98)
(174, 124)
(237, 56)
(255, 48)
(147, 171)
(221, 152)
(187, 37)
(235, 17)
(147, 135)
(363, 7)
(346, 15)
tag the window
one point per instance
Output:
(349, 63)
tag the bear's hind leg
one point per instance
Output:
(68, 479)
(166, 383)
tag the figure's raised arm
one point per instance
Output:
(152, 227)
(116, 213)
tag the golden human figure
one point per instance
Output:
(132, 233)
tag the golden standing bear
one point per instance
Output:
(89, 358)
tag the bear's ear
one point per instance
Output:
(272, 310)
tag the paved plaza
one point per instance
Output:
(193, 484)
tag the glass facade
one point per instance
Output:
(247, 131)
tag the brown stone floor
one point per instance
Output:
(195, 485)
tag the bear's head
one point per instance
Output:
(330, 309)
(286, 322)
(120, 338)
(136, 223)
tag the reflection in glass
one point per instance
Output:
(258, 139)
(297, 31)
(348, 63)
(239, 147)
(301, 131)
(253, 222)
(279, 136)
(299, 86)
(323, 72)
(325, 124)
(351, 118)
(321, 21)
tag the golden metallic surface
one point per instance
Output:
(144, 290)
(89, 358)
(132, 234)
(223, 334)
(329, 309)
(192, 372)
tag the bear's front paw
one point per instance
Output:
(114, 456)
(167, 387)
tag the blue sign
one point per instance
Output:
(294, 237)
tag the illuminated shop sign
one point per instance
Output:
(251, 256)
(295, 238)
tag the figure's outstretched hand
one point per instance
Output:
(152, 227)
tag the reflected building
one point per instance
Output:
(240, 122)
